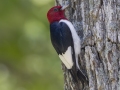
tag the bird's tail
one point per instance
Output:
(82, 77)
(74, 75)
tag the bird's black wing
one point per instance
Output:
(62, 41)
(61, 37)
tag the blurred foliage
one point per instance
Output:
(27, 58)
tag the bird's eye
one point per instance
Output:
(56, 9)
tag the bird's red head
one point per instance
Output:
(55, 14)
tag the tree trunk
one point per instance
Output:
(100, 54)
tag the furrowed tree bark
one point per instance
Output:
(100, 54)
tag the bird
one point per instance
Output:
(65, 41)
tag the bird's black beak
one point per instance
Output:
(64, 7)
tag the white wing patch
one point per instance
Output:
(66, 58)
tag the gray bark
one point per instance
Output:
(100, 54)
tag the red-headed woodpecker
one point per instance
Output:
(65, 40)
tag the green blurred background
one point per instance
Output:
(27, 58)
